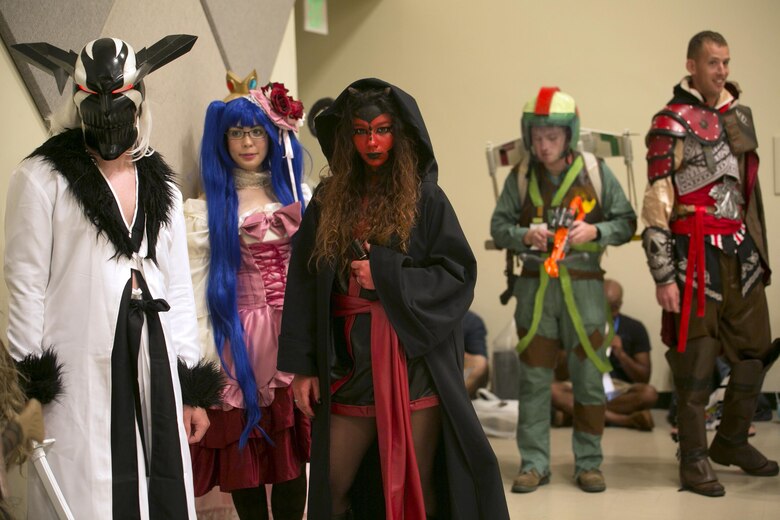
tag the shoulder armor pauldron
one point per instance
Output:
(701, 122)
(677, 121)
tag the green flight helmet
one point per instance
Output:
(551, 107)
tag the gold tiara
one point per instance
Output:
(239, 87)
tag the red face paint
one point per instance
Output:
(373, 139)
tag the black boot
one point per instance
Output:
(730, 445)
(251, 503)
(692, 371)
(288, 499)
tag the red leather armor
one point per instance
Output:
(660, 156)
(701, 121)
(676, 121)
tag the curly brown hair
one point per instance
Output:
(12, 400)
(357, 203)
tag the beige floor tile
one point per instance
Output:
(641, 473)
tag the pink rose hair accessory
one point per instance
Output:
(285, 112)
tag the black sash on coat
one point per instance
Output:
(166, 491)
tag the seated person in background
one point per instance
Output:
(632, 396)
(475, 360)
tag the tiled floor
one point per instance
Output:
(641, 473)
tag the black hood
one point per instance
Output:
(327, 122)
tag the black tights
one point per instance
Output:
(288, 500)
(350, 439)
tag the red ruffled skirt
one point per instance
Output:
(217, 460)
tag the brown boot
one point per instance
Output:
(591, 481)
(697, 475)
(730, 445)
(529, 481)
(692, 371)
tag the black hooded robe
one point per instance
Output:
(425, 293)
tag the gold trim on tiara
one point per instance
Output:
(238, 87)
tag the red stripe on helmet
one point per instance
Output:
(544, 100)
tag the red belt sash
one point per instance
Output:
(400, 476)
(696, 226)
(695, 232)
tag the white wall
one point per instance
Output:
(472, 65)
(21, 132)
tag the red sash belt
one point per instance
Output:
(695, 227)
(400, 476)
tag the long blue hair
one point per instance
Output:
(216, 167)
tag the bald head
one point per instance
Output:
(613, 291)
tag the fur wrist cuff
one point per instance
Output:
(40, 376)
(201, 385)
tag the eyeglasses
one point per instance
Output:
(255, 133)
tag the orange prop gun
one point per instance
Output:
(576, 211)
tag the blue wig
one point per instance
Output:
(216, 168)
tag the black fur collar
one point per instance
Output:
(68, 155)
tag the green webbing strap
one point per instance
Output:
(544, 279)
(571, 176)
(604, 366)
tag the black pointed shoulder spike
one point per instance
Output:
(47, 57)
(163, 52)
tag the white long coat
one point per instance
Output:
(65, 287)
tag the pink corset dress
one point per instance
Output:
(261, 281)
